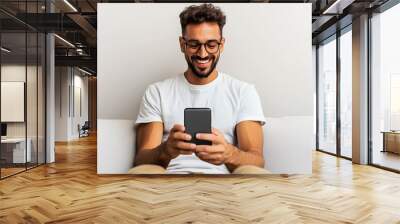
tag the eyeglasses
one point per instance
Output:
(211, 46)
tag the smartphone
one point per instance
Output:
(197, 120)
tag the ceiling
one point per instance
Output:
(76, 21)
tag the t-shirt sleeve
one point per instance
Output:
(250, 106)
(150, 106)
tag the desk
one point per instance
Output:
(13, 150)
(391, 141)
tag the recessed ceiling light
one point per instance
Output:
(70, 5)
(5, 50)
(337, 7)
(64, 40)
(84, 71)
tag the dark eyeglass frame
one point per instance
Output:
(199, 45)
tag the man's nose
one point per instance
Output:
(202, 51)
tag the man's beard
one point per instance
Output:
(195, 70)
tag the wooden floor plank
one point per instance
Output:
(70, 191)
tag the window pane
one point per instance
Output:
(346, 93)
(327, 96)
(386, 89)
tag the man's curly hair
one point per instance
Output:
(196, 14)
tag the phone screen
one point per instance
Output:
(198, 120)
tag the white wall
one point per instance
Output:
(261, 48)
(79, 117)
(61, 103)
(68, 81)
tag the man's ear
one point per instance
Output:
(182, 44)
(221, 49)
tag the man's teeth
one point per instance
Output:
(202, 61)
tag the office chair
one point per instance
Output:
(84, 130)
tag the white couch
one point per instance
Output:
(288, 144)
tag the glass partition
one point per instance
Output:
(13, 109)
(22, 63)
(41, 107)
(32, 95)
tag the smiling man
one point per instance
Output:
(237, 116)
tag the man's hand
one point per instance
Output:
(176, 145)
(220, 152)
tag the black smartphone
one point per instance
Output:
(197, 120)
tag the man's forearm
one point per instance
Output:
(240, 158)
(153, 156)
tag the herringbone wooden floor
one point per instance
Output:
(70, 191)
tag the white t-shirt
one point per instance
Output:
(231, 101)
